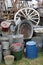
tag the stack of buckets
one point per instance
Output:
(17, 46)
(31, 50)
(17, 50)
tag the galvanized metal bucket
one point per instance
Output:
(26, 28)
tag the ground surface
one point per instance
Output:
(24, 61)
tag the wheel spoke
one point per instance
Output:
(33, 21)
(35, 18)
(23, 14)
(32, 12)
(26, 12)
(17, 18)
(29, 12)
(20, 15)
(34, 15)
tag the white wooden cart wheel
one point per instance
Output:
(29, 14)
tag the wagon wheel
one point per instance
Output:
(29, 14)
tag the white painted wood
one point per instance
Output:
(29, 14)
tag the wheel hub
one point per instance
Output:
(28, 17)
